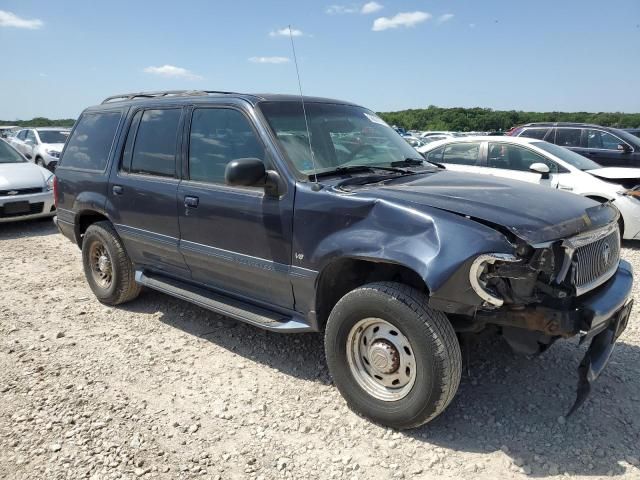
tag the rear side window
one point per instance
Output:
(537, 133)
(91, 141)
(462, 154)
(568, 137)
(154, 151)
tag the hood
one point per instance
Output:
(534, 213)
(22, 175)
(53, 146)
(616, 173)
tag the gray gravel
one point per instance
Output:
(159, 388)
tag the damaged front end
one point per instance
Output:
(540, 293)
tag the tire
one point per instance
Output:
(107, 266)
(40, 162)
(433, 354)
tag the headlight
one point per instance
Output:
(50, 183)
(53, 153)
(477, 275)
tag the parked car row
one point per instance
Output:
(610, 147)
(7, 131)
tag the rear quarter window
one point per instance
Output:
(537, 133)
(91, 141)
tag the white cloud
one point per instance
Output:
(340, 9)
(8, 19)
(405, 19)
(172, 72)
(284, 32)
(445, 18)
(275, 60)
(370, 7)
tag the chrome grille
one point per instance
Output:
(594, 263)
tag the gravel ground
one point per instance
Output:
(159, 388)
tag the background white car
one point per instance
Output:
(537, 161)
(26, 190)
(41, 145)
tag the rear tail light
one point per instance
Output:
(55, 191)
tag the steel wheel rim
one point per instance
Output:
(381, 359)
(101, 266)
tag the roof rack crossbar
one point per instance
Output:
(163, 93)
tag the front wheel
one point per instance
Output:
(393, 358)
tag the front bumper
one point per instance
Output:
(39, 205)
(599, 316)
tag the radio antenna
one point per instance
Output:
(304, 110)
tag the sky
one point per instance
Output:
(59, 57)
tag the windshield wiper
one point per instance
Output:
(415, 162)
(363, 168)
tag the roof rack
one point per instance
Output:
(163, 93)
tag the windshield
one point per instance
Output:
(9, 155)
(53, 136)
(341, 135)
(571, 157)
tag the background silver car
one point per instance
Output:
(26, 190)
(41, 145)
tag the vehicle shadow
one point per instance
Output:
(27, 228)
(507, 404)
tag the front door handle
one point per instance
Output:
(191, 202)
(117, 190)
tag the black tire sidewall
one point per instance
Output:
(423, 399)
(96, 233)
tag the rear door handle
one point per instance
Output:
(117, 190)
(191, 202)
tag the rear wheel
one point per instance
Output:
(393, 358)
(107, 266)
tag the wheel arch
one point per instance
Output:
(344, 274)
(86, 218)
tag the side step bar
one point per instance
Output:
(229, 307)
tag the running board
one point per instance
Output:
(224, 305)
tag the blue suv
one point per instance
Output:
(307, 214)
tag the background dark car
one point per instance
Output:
(610, 147)
(633, 131)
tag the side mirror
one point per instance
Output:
(540, 168)
(623, 147)
(245, 172)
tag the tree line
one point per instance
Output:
(437, 118)
(486, 119)
(40, 122)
